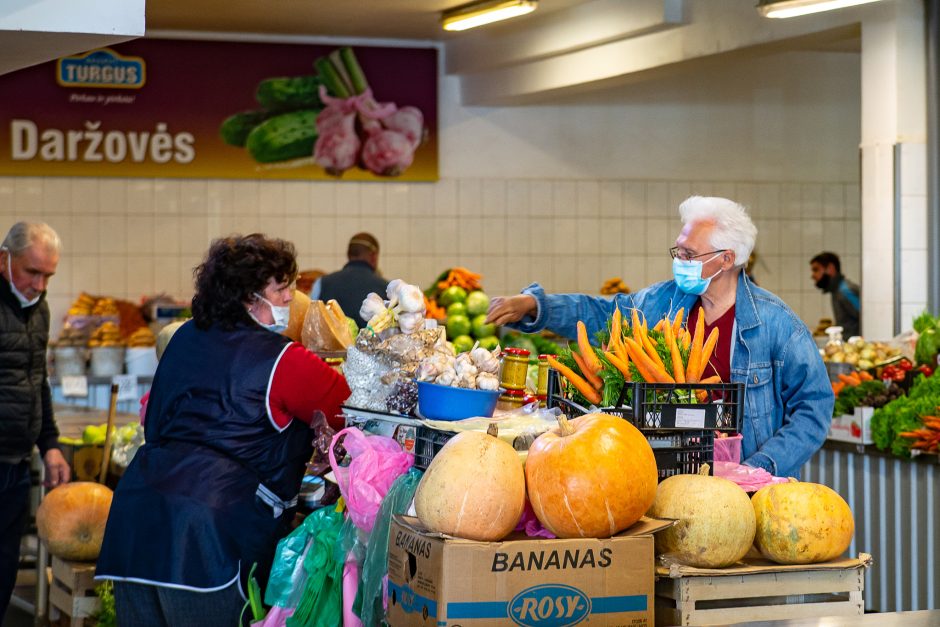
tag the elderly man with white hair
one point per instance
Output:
(761, 342)
(28, 259)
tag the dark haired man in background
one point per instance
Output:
(846, 296)
(350, 286)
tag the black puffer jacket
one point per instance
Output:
(25, 399)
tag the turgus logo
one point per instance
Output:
(549, 605)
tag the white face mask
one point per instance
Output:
(24, 302)
(281, 316)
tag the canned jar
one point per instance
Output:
(514, 369)
(512, 399)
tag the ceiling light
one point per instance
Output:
(794, 8)
(480, 13)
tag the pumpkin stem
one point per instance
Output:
(704, 470)
(492, 430)
(566, 429)
(793, 480)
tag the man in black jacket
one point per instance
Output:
(356, 280)
(826, 271)
(28, 258)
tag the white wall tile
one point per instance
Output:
(112, 234)
(166, 274)
(791, 233)
(589, 198)
(28, 196)
(853, 203)
(811, 200)
(112, 276)
(588, 235)
(914, 222)
(768, 237)
(564, 199)
(139, 194)
(610, 241)
(833, 200)
(914, 276)
(590, 274)
(723, 189)
(541, 199)
(166, 197)
(833, 236)
(914, 168)
(517, 198)
(194, 197)
(517, 275)
(494, 197)
(790, 201)
(421, 202)
(373, 199)
(347, 200)
(445, 237)
(634, 234)
(768, 195)
(634, 198)
(56, 196)
(657, 199)
(469, 197)
(678, 192)
(322, 196)
(84, 274)
(445, 198)
(611, 199)
(85, 233)
(494, 271)
(194, 234)
(470, 234)
(659, 236)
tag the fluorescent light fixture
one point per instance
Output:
(480, 13)
(794, 8)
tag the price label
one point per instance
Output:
(75, 386)
(690, 418)
(127, 386)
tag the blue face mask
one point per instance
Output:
(688, 275)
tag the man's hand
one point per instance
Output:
(506, 309)
(57, 469)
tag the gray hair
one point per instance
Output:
(22, 235)
(734, 229)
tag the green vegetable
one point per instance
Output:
(925, 321)
(282, 137)
(235, 128)
(928, 344)
(904, 414)
(851, 396)
(289, 93)
(254, 595)
(331, 78)
(106, 615)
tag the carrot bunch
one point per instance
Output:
(668, 353)
(461, 277)
(434, 310)
(926, 439)
(852, 379)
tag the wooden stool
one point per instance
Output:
(73, 590)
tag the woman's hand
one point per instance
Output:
(506, 309)
(57, 469)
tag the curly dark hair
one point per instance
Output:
(234, 269)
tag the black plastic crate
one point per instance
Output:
(674, 406)
(428, 442)
(680, 430)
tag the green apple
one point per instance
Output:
(481, 328)
(456, 309)
(453, 294)
(457, 325)
(477, 303)
(463, 343)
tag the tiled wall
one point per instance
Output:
(131, 237)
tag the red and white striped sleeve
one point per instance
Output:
(303, 384)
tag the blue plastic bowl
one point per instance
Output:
(443, 402)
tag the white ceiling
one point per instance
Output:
(392, 19)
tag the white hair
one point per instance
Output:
(734, 229)
(22, 235)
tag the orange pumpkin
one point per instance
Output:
(71, 520)
(590, 477)
(474, 488)
(801, 523)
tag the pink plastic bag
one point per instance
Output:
(376, 462)
(530, 524)
(751, 479)
(276, 617)
(350, 588)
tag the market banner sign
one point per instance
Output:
(201, 109)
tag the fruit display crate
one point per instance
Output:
(760, 590)
(679, 429)
(73, 590)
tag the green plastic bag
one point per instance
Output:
(375, 564)
(305, 575)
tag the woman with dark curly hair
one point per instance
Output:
(228, 436)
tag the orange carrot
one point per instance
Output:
(592, 378)
(712, 379)
(587, 352)
(636, 328)
(686, 342)
(651, 351)
(678, 371)
(707, 352)
(677, 323)
(583, 386)
(659, 325)
(619, 365)
(649, 370)
(695, 355)
(865, 375)
(616, 330)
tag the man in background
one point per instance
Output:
(826, 269)
(350, 286)
(28, 259)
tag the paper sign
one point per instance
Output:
(127, 386)
(690, 418)
(75, 386)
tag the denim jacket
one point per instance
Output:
(788, 399)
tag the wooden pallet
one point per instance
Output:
(760, 591)
(73, 590)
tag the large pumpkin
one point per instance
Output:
(716, 520)
(71, 520)
(801, 523)
(590, 477)
(474, 488)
